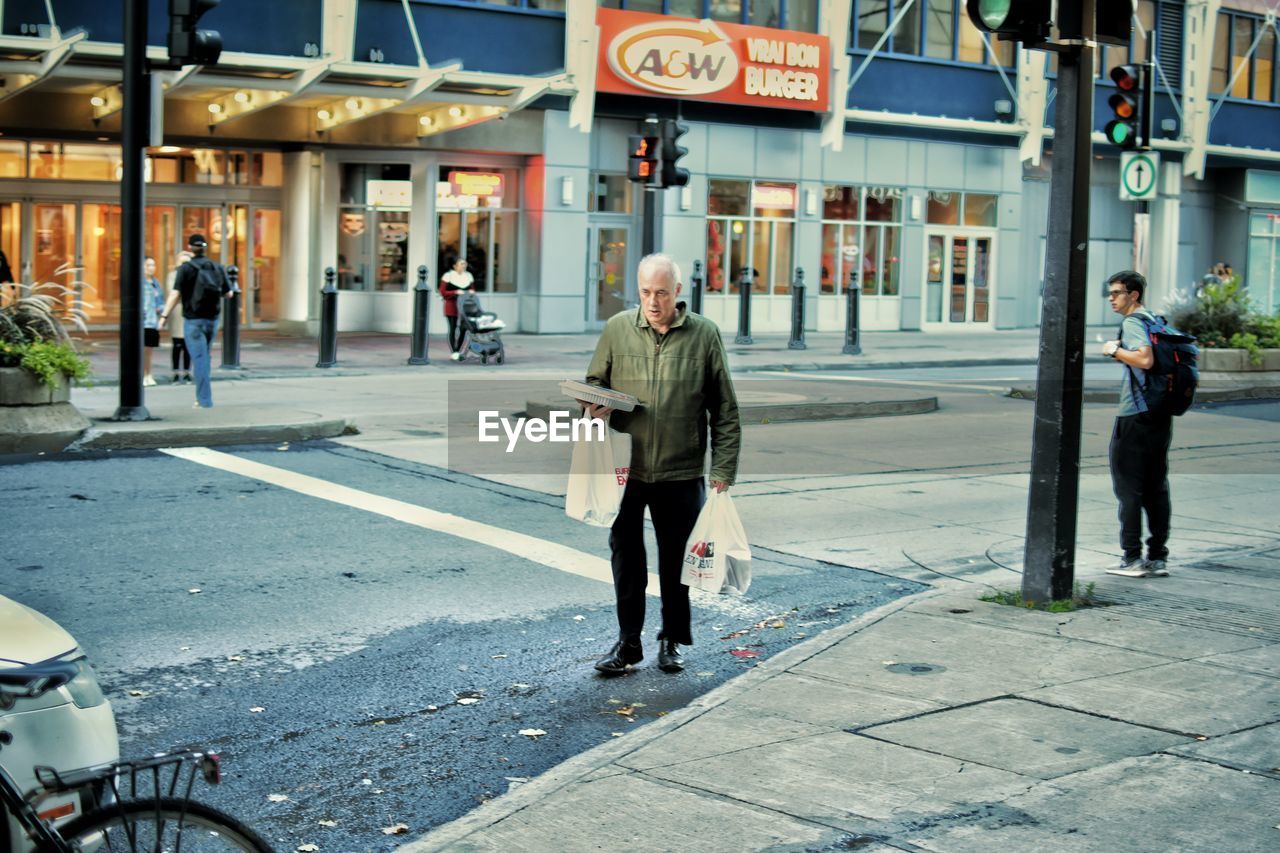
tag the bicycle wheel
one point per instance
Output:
(167, 824)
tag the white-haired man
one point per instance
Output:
(675, 364)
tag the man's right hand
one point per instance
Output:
(594, 411)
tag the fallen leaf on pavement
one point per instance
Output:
(579, 618)
(307, 848)
(184, 648)
(626, 710)
(398, 829)
(744, 653)
(277, 798)
(498, 657)
(256, 710)
(235, 657)
(194, 590)
(533, 733)
(366, 781)
(705, 674)
(469, 700)
(379, 722)
(735, 634)
(615, 734)
(137, 693)
(328, 822)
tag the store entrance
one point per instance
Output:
(958, 282)
(608, 273)
(247, 237)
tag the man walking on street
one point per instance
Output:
(1140, 441)
(200, 284)
(675, 364)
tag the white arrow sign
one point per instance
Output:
(1138, 172)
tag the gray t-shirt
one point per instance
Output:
(1133, 336)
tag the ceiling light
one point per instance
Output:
(425, 121)
(170, 149)
(215, 108)
(98, 100)
(353, 104)
(242, 97)
(455, 111)
(324, 115)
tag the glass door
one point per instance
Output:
(608, 272)
(53, 251)
(11, 257)
(957, 280)
(264, 272)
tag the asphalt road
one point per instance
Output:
(370, 671)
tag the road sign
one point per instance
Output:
(1138, 172)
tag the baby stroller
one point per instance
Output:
(483, 330)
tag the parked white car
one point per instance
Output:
(68, 728)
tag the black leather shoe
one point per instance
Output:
(620, 658)
(669, 659)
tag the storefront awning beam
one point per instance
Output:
(53, 58)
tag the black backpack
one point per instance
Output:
(1170, 385)
(206, 295)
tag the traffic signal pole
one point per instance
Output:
(1049, 559)
(649, 228)
(136, 123)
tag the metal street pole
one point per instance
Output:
(1049, 560)
(649, 236)
(136, 123)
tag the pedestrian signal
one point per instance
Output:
(642, 165)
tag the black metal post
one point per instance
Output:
(136, 122)
(1049, 560)
(421, 318)
(231, 322)
(649, 232)
(744, 307)
(852, 333)
(328, 320)
(695, 283)
(797, 312)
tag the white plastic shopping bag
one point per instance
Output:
(717, 557)
(598, 477)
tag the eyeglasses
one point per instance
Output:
(1111, 293)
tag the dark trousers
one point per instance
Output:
(456, 333)
(179, 352)
(673, 507)
(1140, 476)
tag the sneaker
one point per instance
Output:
(176, 379)
(186, 377)
(1131, 569)
(1157, 569)
(148, 381)
(457, 356)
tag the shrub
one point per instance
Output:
(1220, 315)
(35, 328)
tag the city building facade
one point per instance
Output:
(883, 145)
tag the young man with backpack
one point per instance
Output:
(1159, 383)
(200, 283)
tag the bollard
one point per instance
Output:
(797, 312)
(421, 318)
(328, 320)
(695, 283)
(744, 307)
(231, 322)
(853, 293)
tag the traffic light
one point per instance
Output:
(672, 151)
(189, 45)
(1016, 20)
(1113, 22)
(1124, 129)
(642, 166)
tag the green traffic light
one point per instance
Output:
(1120, 133)
(994, 13)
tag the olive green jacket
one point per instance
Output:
(682, 382)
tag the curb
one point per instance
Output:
(96, 438)
(574, 769)
(819, 366)
(1203, 395)
(774, 413)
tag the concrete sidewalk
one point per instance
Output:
(941, 722)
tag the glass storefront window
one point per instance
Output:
(478, 220)
(802, 15)
(873, 20)
(865, 244)
(75, 162)
(940, 29)
(13, 159)
(723, 10)
(10, 241)
(373, 226)
(943, 208)
(610, 194)
(773, 200)
(728, 198)
(764, 13)
(980, 210)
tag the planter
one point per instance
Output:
(36, 418)
(1237, 360)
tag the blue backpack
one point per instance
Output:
(1170, 384)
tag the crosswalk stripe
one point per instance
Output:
(551, 554)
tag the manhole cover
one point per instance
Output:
(915, 668)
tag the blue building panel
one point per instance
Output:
(1246, 126)
(278, 27)
(492, 39)
(955, 91)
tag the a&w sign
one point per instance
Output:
(645, 54)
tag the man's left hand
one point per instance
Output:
(719, 485)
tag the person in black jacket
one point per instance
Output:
(200, 284)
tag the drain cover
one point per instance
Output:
(915, 668)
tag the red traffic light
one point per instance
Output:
(1125, 77)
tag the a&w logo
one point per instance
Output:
(674, 57)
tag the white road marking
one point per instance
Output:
(913, 382)
(530, 548)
